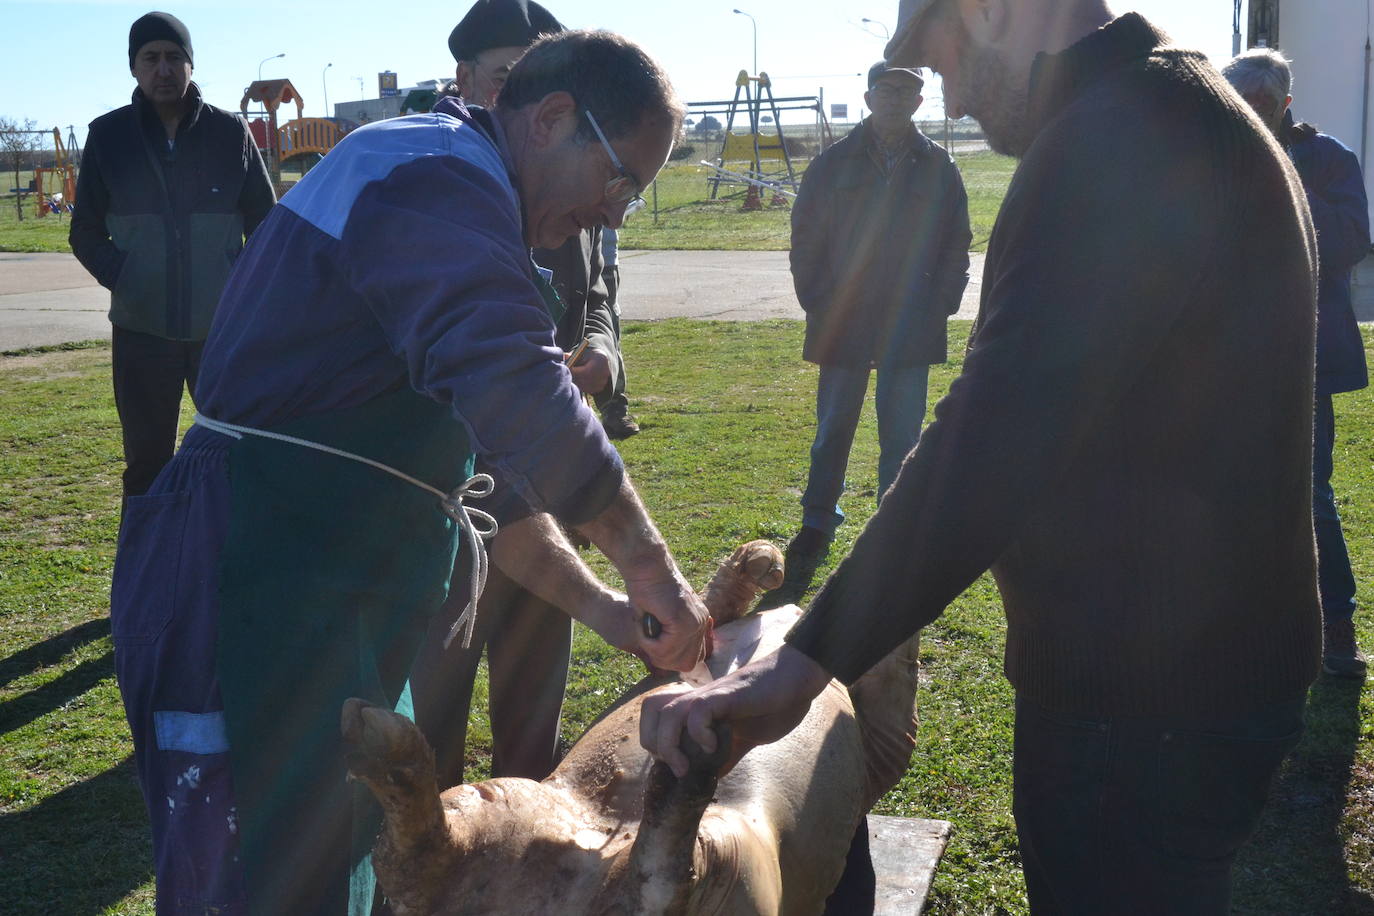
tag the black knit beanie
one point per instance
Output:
(158, 27)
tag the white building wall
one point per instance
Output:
(1325, 40)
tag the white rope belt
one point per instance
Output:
(475, 487)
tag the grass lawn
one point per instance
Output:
(726, 410)
(687, 218)
(48, 233)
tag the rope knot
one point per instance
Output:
(466, 517)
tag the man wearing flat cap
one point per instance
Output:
(870, 304)
(1128, 449)
(170, 187)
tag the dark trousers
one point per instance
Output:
(1141, 815)
(1334, 577)
(612, 401)
(528, 642)
(150, 373)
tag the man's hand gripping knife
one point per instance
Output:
(675, 628)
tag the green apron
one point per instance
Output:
(330, 573)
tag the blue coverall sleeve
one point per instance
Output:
(436, 250)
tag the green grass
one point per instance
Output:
(688, 219)
(726, 410)
(48, 233)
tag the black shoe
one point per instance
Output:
(809, 545)
(1341, 657)
(619, 426)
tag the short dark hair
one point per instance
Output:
(607, 73)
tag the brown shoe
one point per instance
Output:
(1340, 656)
(619, 426)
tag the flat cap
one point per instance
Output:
(881, 69)
(500, 24)
(909, 12)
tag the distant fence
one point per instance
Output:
(804, 141)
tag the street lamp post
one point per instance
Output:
(887, 35)
(755, 23)
(265, 60)
(325, 83)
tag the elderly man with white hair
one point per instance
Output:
(1128, 449)
(1334, 184)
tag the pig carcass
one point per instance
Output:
(611, 831)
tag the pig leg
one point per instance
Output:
(885, 707)
(388, 754)
(753, 568)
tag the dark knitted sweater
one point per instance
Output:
(1128, 447)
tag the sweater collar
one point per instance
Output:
(1056, 79)
(870, 136)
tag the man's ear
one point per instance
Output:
(986, 20)
(462, 77)
(554, 119)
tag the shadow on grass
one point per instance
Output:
(78, 852)
(40, 701)
(52, 650)
(1296, 862)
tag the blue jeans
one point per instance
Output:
(901, 403)
(1144, 815)
(1334, 578)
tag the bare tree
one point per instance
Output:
(18, 143)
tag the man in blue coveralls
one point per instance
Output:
(385, 324)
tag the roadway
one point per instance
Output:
(49, 299)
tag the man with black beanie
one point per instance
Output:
(169, 189)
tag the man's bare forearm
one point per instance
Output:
(538, 557)
(627, 536)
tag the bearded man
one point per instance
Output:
(1128, 449)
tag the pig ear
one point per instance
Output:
(660, 873)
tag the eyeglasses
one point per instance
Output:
(623, 188)
(888, 90)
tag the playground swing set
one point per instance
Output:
(54, 186)
(759, 161)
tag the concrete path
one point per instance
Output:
(48, 299)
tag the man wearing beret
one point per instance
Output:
(1128, 449)
(170, 187)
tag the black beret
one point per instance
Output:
(500, 24)
(158, 27)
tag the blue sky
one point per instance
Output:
(66, 62)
